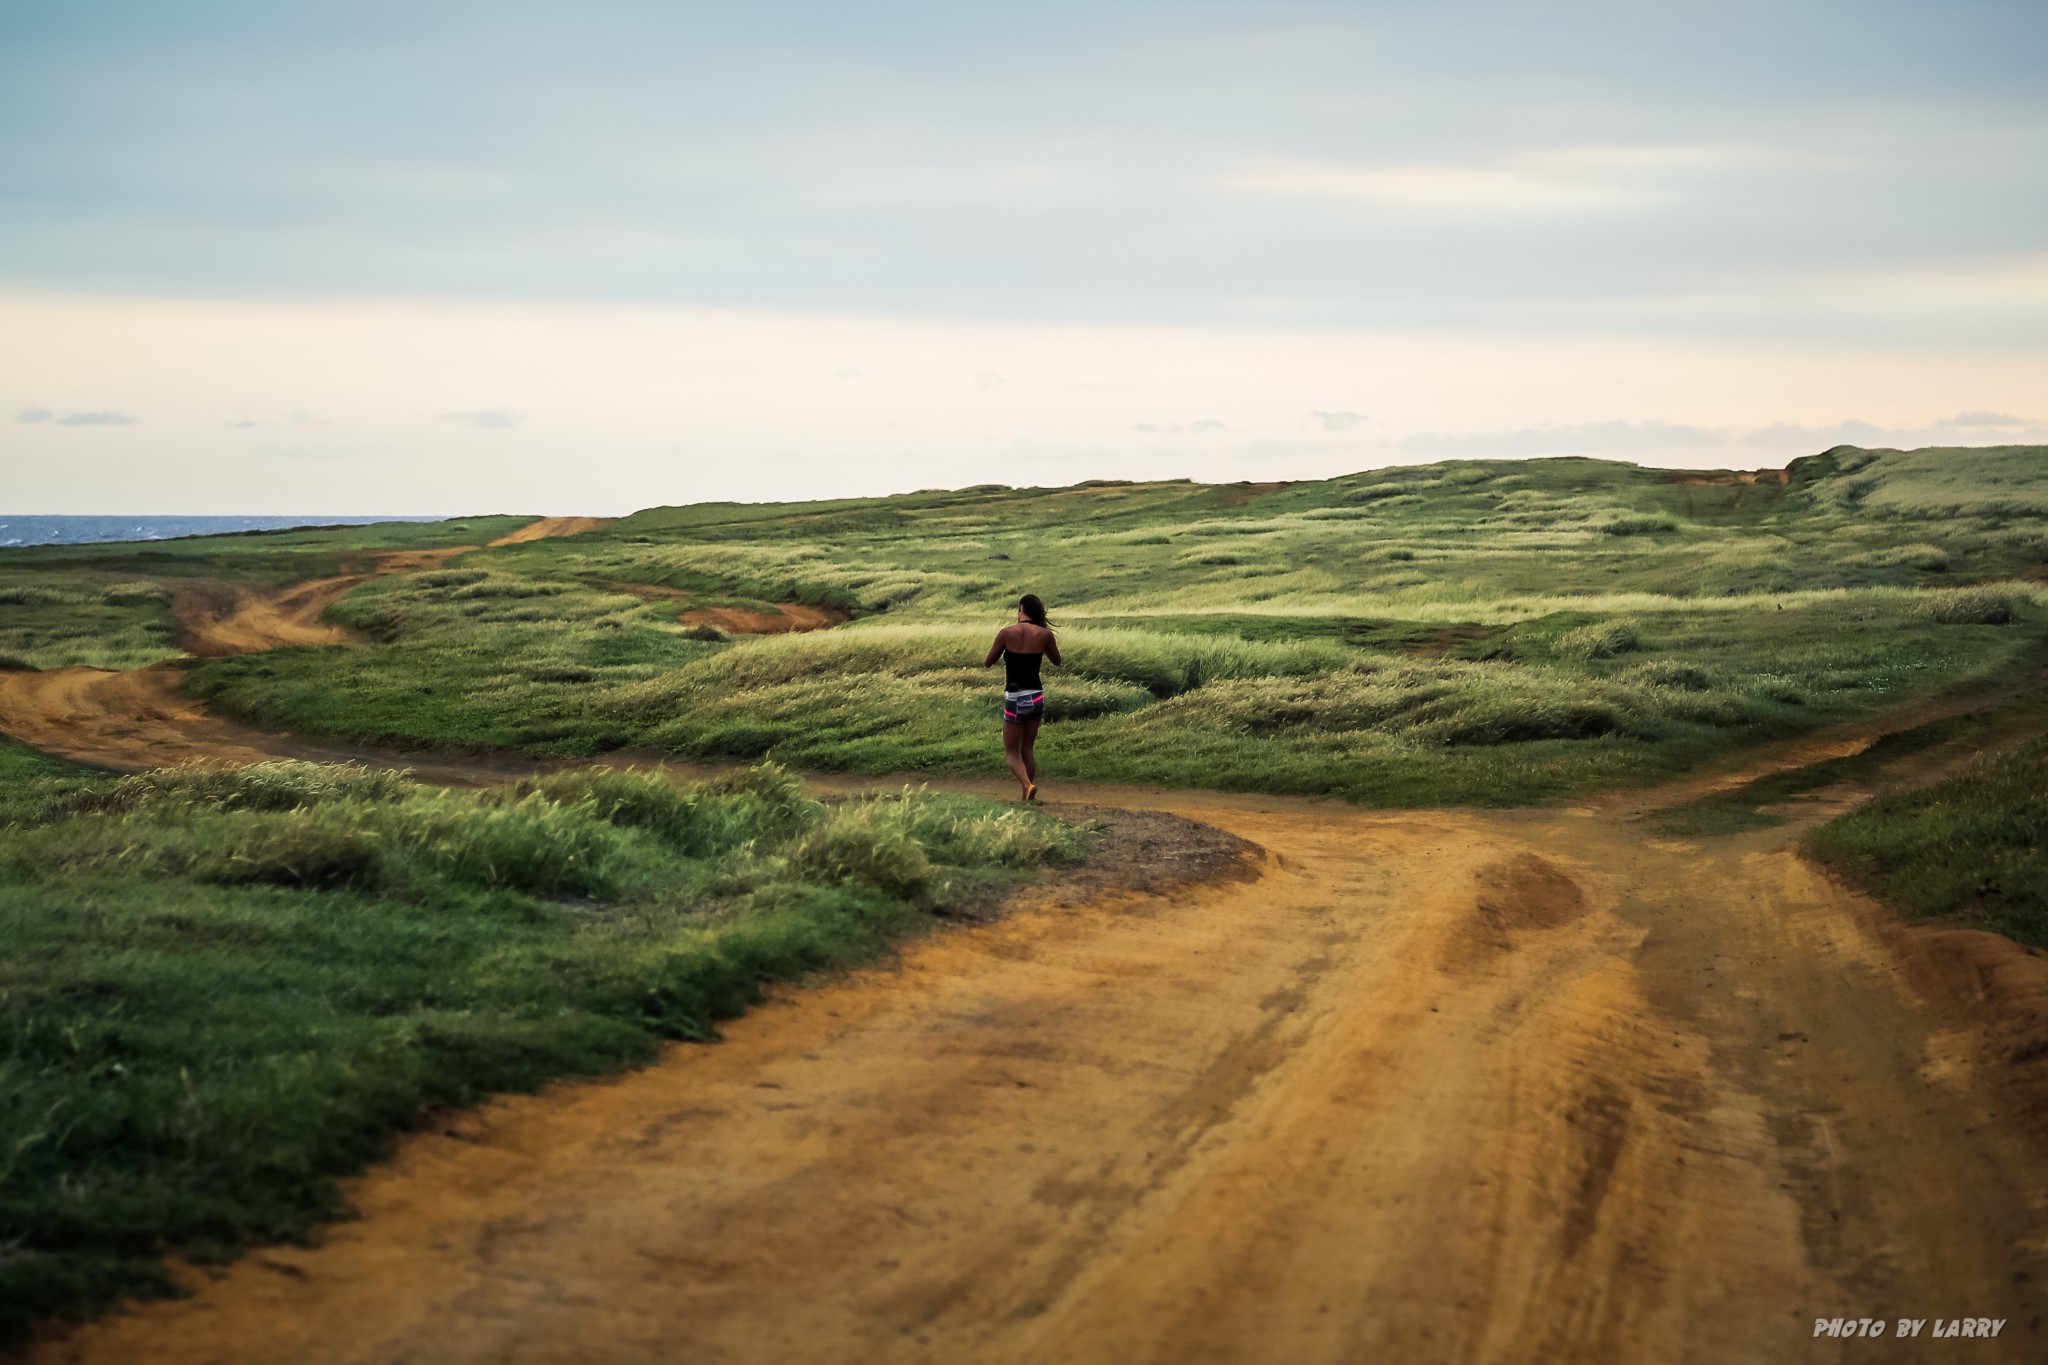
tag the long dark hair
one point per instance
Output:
(1033, 609)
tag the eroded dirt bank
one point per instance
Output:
(1434, 1086)
(548, 527)
(787, 618)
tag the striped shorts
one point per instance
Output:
(1023, 706)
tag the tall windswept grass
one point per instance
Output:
(1108, 663)
(1769, 605)
(1934, 483)
(698, 820)
(282, 785)
(1601, 640)
(36, 595)
(1981, 606)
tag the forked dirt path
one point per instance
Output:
(1434, 1086)
(1431, 1086)
(141, 718)
(216, 619)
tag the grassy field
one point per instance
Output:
(222, 989)
(1481, 631)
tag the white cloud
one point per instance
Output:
(1337, 421)
(1874, 435)
(651, 404)
(1573, 179)
(37, 416)
(1438, 186)
(1585, 438)
(1194, 428)
(302, 418)
(490, 419)
(1983, 419)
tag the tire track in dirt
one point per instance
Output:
(549, 527)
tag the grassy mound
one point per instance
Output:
(223, 989)
(1471, 631)
(1970, 847)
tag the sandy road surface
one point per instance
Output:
(1435, 1086)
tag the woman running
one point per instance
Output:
(1020, 647)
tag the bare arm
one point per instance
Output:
(995, 652)
(1052, 647)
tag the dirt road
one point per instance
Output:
(1433, 1086)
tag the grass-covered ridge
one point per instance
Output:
(220, 989)
(1493, 631)
(1487, 631)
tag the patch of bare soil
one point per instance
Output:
(783, 619)
(1444, 641)
(1724, 478)
(548, 527)
(1238, 496)
(141, 718)
(1137, 852)
(787, 618)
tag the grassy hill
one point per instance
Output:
(225, 988)
(1471, 631)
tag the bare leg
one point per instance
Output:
(1013, 754)
(1030, 728)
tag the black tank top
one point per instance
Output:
(1020, 671)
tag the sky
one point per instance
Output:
(433, 257)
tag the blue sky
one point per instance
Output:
(1738, 192)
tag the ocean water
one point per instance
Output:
(90, 530)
